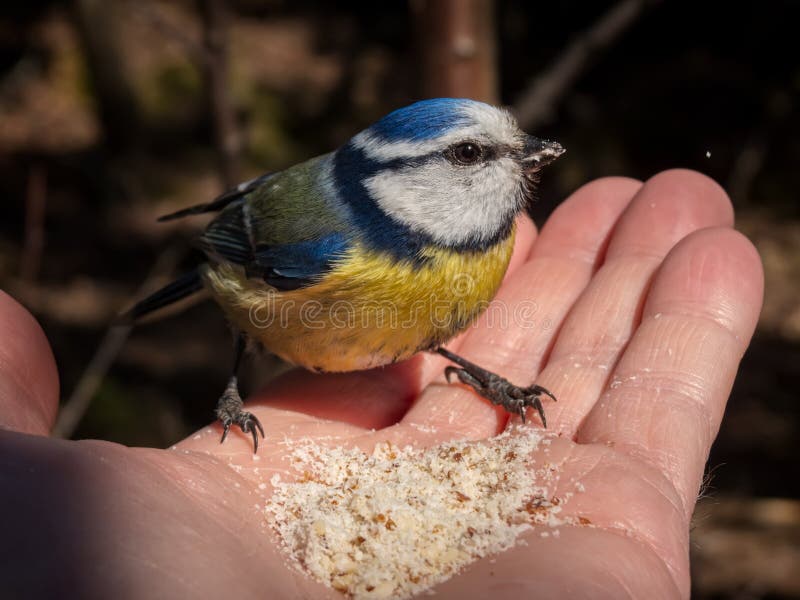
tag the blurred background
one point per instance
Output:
(113, 112)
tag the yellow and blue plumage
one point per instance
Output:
(382, 311)
(390, 245)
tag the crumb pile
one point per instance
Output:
(396, 522)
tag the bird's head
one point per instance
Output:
(455, 170)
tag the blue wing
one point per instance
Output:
(287, 266)
(292, 266)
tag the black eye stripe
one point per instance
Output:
(490, 152)
(468, 152)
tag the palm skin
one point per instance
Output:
(639, 302)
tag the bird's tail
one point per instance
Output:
(184, 286)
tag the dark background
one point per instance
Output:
(114, 112)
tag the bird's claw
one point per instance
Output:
(248, 423)
(501, 392)
(230, 411)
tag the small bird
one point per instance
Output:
(388, 246)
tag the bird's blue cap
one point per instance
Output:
(424, 120)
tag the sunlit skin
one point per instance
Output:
(646, 299)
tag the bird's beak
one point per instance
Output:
(538, 153)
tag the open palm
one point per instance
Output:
(638, 302)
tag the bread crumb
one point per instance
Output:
(393, 523)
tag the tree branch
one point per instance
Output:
(215, 66)
(73, 410)
(539, 100)
(98, 24)
(35, 207)
(456, 44)
(146, 12)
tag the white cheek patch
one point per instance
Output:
(450, 204)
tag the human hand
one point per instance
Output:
(646, 299)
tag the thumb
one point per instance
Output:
(28, 376)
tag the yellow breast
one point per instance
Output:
(369, 310)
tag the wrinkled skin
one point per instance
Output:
(645, 299)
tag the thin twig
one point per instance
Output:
(538, 101)
(192, 47)
(100, 24)
(215, 43)
(73, 410)
(211, 56)
(746, 167)
(751, 159)
(35, 206)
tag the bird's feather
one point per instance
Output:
(292, 266)
(219, 202)
(184, 286)
(227, 239)
(284, 230)
(369, 309)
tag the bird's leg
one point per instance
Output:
(230, 408)
(496, 389)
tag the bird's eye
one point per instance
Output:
(466, 153)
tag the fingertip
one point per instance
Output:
(714, 273)
(609, 187)
(686, 182)
(669, 206)
(28, 375)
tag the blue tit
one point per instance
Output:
(388, 246)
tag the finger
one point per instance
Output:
(513, 336)
(668, 207)
(28, 376)
(579, 563)
(666, 399)
(526, 236)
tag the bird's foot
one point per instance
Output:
(496, 389)
(230, 411)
